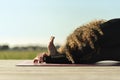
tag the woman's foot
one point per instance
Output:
(51, 47)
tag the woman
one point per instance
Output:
(89, 43)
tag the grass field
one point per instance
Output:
(15, 54)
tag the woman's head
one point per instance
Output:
(83, 41)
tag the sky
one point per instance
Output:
(32, 22)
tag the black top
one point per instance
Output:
(110, 41)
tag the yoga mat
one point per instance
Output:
(101, 63)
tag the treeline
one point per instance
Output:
(6, 47)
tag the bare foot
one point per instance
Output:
(51, 47)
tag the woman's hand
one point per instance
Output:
(40, 58)
(51, 51)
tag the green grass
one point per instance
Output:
(14, 54)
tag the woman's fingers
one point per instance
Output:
(40, 58)
(36, 60)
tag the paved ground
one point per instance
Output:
(9, 71)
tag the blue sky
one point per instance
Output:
(26, 22)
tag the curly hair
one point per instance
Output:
(83, 42)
